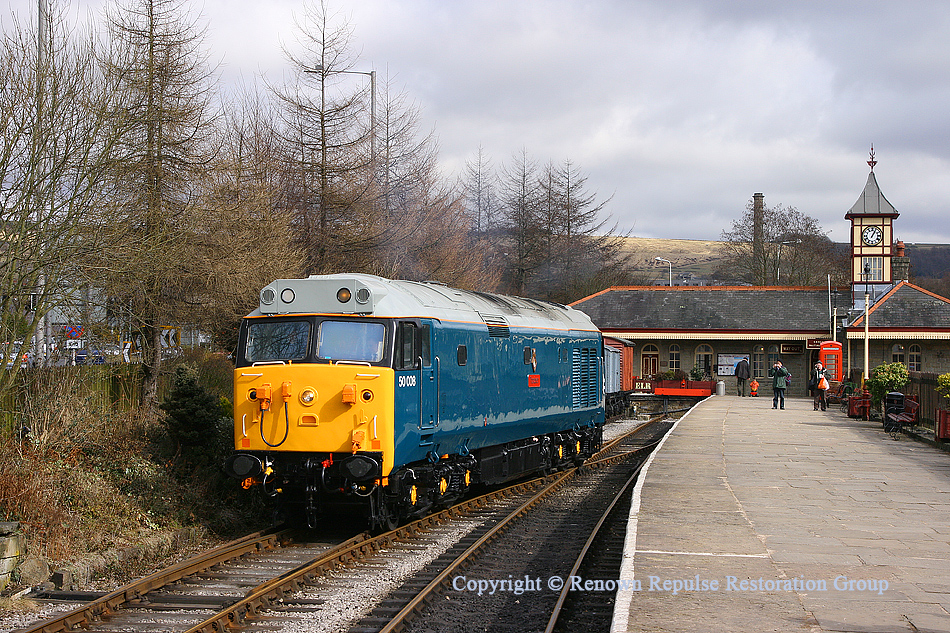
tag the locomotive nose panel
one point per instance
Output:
(333, 408)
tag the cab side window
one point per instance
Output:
(406, 352)
(425, 350)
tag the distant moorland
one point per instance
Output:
(701, 257)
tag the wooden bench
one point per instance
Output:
(894, 422)
(840, 394)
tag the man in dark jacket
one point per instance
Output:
(743, 373)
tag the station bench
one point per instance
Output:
(894, 422)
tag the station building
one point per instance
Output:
(711, 327)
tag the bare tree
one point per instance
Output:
(163, 78)
(54, 153)
(521, 222)
(789, 248)
(479, 184)
(240, 240)
(329, 141)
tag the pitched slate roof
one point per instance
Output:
(725, 309)
(872, 202)
(906, 309)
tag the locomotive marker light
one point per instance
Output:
(268, 295)
(343, 295)
(308, 396)
(287, 295)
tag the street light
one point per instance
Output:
(660, 259)
(778, 268)
(319, 70)
(867, 302)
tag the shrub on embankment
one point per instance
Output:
(81, 472)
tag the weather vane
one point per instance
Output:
(872, 162)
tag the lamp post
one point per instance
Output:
(660, 259)
(319, 70)
(867, 303)
(778, 267)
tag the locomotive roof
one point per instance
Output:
(369, 295)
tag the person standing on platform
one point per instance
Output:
(820, 381)
(743, 372)
(779, 376)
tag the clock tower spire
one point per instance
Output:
(872, 234)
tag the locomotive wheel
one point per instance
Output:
(390, 517)
(387, 517)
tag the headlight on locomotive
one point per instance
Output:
(308, 396)
(360, 468)
(242, 466)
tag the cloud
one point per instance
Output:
(680, 110)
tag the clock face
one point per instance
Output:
(872, 235)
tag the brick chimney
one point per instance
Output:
(758, 228)
(900, 264)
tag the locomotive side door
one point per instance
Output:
(416, 381)
(429, 379)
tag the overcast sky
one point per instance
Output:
(678, 109)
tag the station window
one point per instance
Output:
(914, 358)
(897, 354)
(758, 361)
(704, 359)
(773, 355)
(674, 357)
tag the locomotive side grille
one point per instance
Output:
(497, 326)
(584, 378)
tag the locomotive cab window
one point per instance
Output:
(462, 355)
(412, 343)
(351, 340)
(425, 346)
(277, 340)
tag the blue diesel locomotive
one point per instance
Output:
(394, 397)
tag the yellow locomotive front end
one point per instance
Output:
(313, 410)
(338, 409)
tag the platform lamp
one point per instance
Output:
(867, 303)
(660, 259)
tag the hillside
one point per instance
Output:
(698, 257)
(701, 257)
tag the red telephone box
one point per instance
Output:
(830, 356)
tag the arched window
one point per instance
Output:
(758, 361)
(897, 353)
(773, 355)
(704, 359)
(650, 360)
(914, 358)
(674, 357)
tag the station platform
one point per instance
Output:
(752, 519)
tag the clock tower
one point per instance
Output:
(872, 235)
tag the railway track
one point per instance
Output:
(268, 581)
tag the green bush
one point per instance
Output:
(943, 385)
(196, 418)
(886, 378)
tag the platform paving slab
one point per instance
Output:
(803, 520)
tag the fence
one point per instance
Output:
(96, 388)
(104, 389)
(924, 386)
